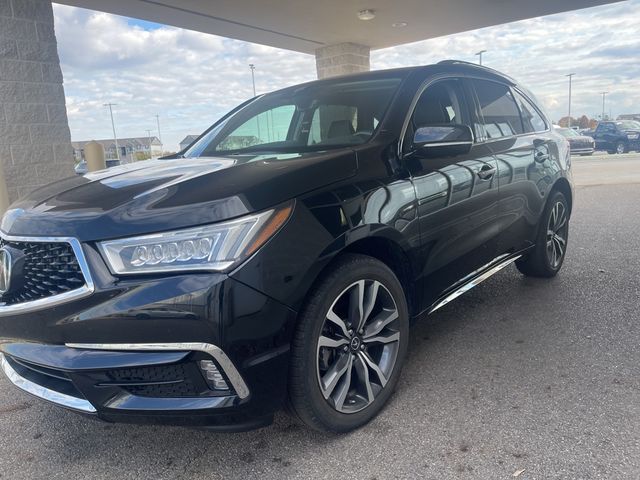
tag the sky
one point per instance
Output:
(190, 79)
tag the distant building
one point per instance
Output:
(131, 149)
(630, 116)
(188, 140)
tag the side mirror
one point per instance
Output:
(442, 140)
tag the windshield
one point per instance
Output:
(313, 117)
(628, 125)
(567, 132)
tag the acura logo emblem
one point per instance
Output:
(5, 270)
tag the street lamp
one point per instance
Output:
(113, 125)
(159, 134)
(479, 54)
(604, 94)
(253, 78)
(570, 75)
(149, 137)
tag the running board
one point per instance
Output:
(473, 282)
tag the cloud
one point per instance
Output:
(190, 79)
(600, 45)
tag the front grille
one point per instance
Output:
(179, 380)
(50, 268)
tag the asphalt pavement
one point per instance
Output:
(539, 378)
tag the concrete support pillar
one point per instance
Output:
(341, 59)
(35, 143)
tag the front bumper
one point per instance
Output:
(130, 351)
(582, 150)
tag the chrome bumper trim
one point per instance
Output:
(86, 290)
(218, 355)
(43, 392)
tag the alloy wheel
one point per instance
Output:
(358, 346)
(557, 230)
(620, 148)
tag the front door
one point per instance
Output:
(457, 195)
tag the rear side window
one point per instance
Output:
(500, 114)
(532, 121)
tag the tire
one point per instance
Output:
(321, 337)
(621, 148)
(547, 256)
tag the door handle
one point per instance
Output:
(541, 157)
(486, 172)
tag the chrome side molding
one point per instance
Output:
(218, 355)
(473, 282)
(39, 391)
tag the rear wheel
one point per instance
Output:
(621, 148)
(349, 346)
(546, 258)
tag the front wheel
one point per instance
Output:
(621, 148)
(349, 345)
(547, 256)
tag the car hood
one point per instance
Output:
(157, 195)
(636, 132)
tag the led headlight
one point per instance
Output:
(214, 247)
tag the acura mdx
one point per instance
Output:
(281, 259)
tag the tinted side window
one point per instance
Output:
(531, 119)
(500, 115)
(440, 104)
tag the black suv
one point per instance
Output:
(621, 136)
(282, 257)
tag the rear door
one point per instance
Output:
(523, 145)
(457, 195)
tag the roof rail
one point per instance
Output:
(464, 62)
(475, 65)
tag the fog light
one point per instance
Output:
(214, 378)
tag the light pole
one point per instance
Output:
(604, 94)
(253, 78)
(479, 54)
(159, 134)
(570, 75)
(149, 137)
(113, 125)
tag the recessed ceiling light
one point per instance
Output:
(367, 14)
(399, 24)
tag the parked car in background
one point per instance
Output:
(620, 136)
(81, 167)
(579, 144)
(217, 287)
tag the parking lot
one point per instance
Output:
(518, 374)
